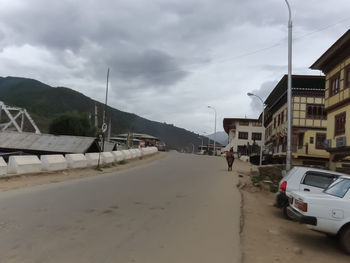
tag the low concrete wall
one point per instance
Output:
(3, 166)
(127, 154)
(76, 160)
(138, 153)
(23, 164)
(54, 162)
(118, 156)
(107, 157)
(92, 159)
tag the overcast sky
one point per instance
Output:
(169, 59)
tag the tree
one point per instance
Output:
(72, 123)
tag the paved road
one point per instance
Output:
(182, 208)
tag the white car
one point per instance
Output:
(303, 179)
(327, 212)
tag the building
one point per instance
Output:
(244, 135)
(335, 64)
(309, 121)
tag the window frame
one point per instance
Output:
(347, 77)
(340, 123)
(334, 90)
(257, 136)
(241, 133)
(320, 144)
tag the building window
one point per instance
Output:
(339, 124)
(300, 140)
(244, 123)
(282, 117)
(347, 77)
(334, 85)
(311, 140)
(256, 136)
(274, 122)
(320, 139)
(279, 119)
(243, 135)
(256, 123)
(315, 111)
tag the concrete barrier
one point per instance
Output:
(54, 162)
(3, 166)
(92, 159)
(133, 153)
(76, 160)
(24, 164)
(107, 157)
(138, 153)
(127, 154)
(118, 156)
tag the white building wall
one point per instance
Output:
(233, 136)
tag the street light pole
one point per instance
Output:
(210, 107)
(262, 125)
(289, 91)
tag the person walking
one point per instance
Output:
(230, 158)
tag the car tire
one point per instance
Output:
(285, 214)
(345, 239)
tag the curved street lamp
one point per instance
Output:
(262, 125)
(210, 107)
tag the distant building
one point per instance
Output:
(244, 135)
(309, 121)
(130, 140)
(335, 64)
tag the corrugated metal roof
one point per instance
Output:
(45, 142)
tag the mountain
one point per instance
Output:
(221, 137)
(44, 103)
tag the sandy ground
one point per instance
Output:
(28, 180)
(268, 237)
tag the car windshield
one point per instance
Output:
(339, 188)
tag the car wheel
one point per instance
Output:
(345, 239)
(285, 214)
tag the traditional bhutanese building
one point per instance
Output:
(309, 121)
(335, 64)
(243, 135)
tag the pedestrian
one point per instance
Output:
(230, 158)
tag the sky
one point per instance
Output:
(169, 59)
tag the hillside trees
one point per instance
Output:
(72, 123)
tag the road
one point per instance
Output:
(182, 208)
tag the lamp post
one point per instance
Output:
(210, 107)
(289, 91)
(262, 125)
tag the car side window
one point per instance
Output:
(318, 179)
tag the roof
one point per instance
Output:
(340, 49)
(228, 122)
(138, 135)
(307, 83)
(45, 142)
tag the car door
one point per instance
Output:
(316, 182)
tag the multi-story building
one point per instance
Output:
(335, 64)
(309, 121)
(244, 135)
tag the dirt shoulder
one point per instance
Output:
(268, 237)
(28, 180)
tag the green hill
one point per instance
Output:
(45, 103)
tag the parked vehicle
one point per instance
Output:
(327, 212)
(303, 179)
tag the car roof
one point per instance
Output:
(306, 169)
